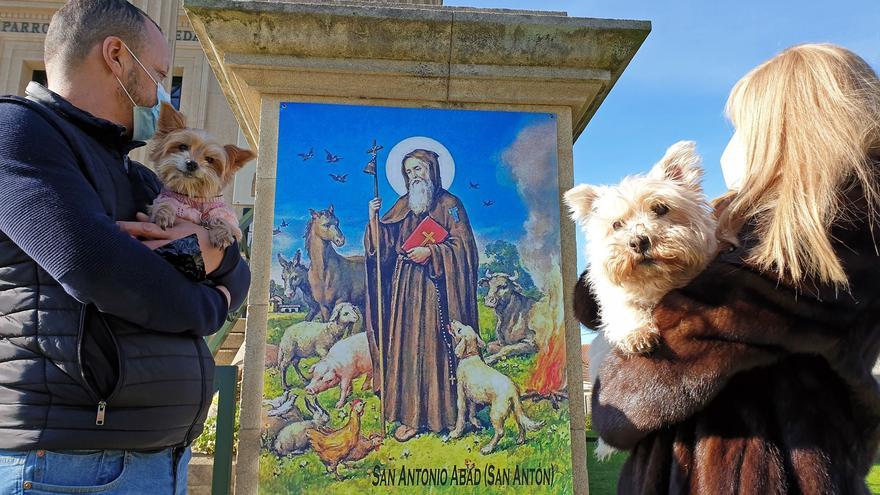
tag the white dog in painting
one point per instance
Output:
(479, 383)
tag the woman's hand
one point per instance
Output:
(154, 237)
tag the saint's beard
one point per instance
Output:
(421, 194)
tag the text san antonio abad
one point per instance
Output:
(489, 475)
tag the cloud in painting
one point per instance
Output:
(532, 162)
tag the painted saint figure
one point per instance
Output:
(424, 289)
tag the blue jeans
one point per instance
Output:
(106, 472)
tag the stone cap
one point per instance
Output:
(413, 53)
(403, 2)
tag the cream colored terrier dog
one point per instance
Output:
(479, 383)
(646, 236)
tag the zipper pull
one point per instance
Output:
(102, 409)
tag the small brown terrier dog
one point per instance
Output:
(194, 168)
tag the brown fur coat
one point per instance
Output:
(756, 388)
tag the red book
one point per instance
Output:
(428, 232)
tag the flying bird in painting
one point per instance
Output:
(339, 178)
(488, 203)
(331, 158)
(375, 149)
(307, 156)
(276, 231)
(283, 223)
(474, 185)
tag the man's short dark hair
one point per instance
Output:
(81, 24)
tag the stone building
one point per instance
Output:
(192, 85)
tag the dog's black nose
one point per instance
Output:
(191, 165)
(640, 244)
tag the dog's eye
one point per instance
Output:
(209, 159)
(183, 147)
(660, 209)
(617, 225)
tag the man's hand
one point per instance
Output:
(375, 204)
(420, 254)
(154, 237)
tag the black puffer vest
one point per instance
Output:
(72, 377)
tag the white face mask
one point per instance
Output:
(733, 163)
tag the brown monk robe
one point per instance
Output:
(419, 301)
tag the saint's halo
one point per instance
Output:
(408, 145)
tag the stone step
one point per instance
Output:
(239, 325)
(201, 469)
(233, 341)
(225, 356)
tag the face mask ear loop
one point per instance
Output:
(126, 91)
(136, 59)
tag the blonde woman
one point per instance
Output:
(762, 383)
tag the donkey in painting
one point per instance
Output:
(295, 275)
(332, 277)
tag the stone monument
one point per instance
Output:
(387, 366)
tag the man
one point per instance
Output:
(105, 377)
(424, 288)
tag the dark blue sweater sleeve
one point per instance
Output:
(234, 274)
(53, 214)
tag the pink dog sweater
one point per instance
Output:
(198, 210)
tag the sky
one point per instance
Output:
(491, 176)
(677, 84)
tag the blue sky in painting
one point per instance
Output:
(348, 131)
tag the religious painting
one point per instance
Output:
(415, 339)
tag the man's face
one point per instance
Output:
(155, 55)
(415, 169)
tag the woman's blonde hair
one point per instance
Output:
(810, 122)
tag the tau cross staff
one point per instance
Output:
(371, 169)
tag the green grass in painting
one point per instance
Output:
(548, 447)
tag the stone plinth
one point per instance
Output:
(411, 52)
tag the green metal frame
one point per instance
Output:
(215, 340)
(225, 379)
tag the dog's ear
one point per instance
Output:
(580, 201)
(169, 120)
(459, 348)
(480, 343)
(237, 158)
(681, 164)
(721, 203)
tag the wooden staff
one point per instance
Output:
(371, 169)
